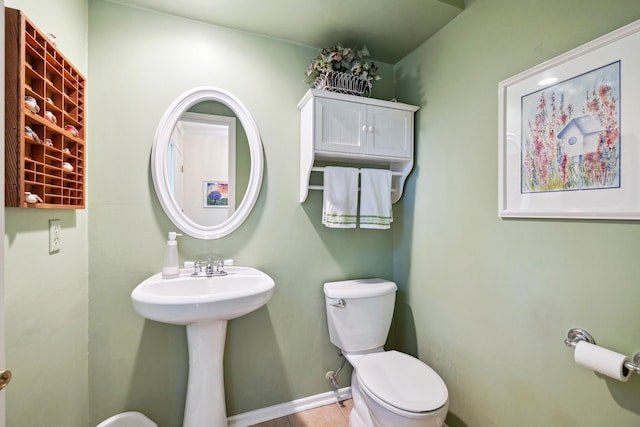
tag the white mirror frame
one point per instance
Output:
(159, 170)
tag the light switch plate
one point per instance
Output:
(54, 235)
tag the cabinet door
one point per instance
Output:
(390, 132)
(340, 126)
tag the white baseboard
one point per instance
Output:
(283, 409)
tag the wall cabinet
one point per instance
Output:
(44, 120)
(352, 129)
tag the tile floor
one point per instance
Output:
(334, 415)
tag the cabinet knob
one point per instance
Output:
(364, 128)
(370, 129)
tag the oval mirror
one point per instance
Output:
(207, 167)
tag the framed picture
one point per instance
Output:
(216, 194)
(569, 133)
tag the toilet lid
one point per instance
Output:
(402, 381)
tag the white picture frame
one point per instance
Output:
(590, 174)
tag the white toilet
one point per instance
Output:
(389, 388)
(128, 419)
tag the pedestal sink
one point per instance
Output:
(204, 305)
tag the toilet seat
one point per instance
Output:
(402, 382)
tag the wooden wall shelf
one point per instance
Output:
(50, 161)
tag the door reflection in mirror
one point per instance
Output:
(202, 150)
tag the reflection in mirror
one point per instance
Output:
(207, 162)
(201, 164)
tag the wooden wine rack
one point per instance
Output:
(51, 163)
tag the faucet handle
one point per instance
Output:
(221, 263)
(192, 264)
(224, 262)
(196, 265)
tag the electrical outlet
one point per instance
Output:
(54, 235)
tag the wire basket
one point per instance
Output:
(336, 81)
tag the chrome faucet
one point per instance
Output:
(212, 268)
(209, 269)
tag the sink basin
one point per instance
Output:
(188, 299)
(204, 305)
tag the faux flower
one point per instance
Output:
(342, 59)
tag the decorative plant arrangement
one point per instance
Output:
(342, 69)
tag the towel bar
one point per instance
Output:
(321, 169)
(320, 187)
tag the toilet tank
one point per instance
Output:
(359, 313)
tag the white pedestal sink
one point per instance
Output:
(204, 305)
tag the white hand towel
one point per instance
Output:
(375, 199)
(340, 204)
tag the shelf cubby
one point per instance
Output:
(36, 163)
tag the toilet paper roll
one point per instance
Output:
(602, 360)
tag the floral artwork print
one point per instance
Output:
(216, 194)
(571, 134)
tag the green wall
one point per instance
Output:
(487, 302)
(139, 61)
(46, 295)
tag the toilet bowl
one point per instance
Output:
(401, 391)
(128, 419)
(389, 388)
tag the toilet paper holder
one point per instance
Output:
(575, 335)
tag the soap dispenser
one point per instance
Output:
(171, 266)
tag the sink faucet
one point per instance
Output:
(209, 269)
(212, 268)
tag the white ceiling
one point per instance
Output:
(389, 28)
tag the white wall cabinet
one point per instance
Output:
(353, 127)
(344, 128)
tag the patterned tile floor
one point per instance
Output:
(334, 415)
